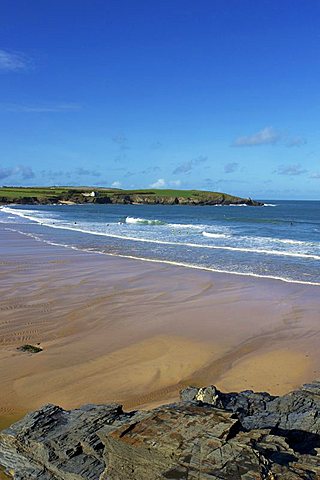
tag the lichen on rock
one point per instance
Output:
(208, 435)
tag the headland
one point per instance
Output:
(80, 195)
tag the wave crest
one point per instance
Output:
(143, 221)
(215, 235)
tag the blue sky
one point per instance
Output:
(214, 94)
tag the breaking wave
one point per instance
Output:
(143, 221)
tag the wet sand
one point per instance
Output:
(114, 329)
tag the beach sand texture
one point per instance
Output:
(122, 330)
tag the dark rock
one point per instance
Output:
(29, 348)
(166, 442)
(54, 443)
(208, 435)
(297, 410)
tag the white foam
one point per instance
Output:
(143, 221)
(215, 235)
(169, 262)
(290, 241)
(166, 242)
(189, 226)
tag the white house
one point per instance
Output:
(91, 194)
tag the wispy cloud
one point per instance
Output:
(218, 183)
(315, 175)
(269, 136)
(175, 183)
(266, 136)
(150, 170)
(291, 170)
(296, 142)
(83, 171)
(231, 167)
(5, 173)
(116, 184)
(146, 171)
(207, 182)
(161, 183)
(21, 171)
(62, 175)
(42, 108)
(121, 141)
(12, 61)
(186, 167)
(25, 172)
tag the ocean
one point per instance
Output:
(280, 240)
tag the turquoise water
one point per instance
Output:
(280, 240)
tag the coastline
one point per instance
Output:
(119, 329)
(82, 195)
(79, 230)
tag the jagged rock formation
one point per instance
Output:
(208, 435)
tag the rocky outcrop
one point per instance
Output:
(42, 196)
(53, 443)
(297, 411)
(207, 435)
(204, 199)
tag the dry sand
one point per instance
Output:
(123, 330)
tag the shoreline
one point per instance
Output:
(162, 261)
(143, 331)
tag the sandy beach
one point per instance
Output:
(133, 332)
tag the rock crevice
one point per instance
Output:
(207, 435)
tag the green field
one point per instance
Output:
(17, 192)
(55, 194)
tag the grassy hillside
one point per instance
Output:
(45, 195)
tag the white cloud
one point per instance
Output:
(266, 136)
(12, 61)
(116, 184)
(175, 183)
(160, 183)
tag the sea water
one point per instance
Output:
(280, 240)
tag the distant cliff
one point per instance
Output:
(207, 435)
(67, 195)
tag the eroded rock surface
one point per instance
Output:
(208, 435)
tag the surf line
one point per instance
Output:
(165, 242)
(166, 262)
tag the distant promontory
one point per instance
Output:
(79, 195)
